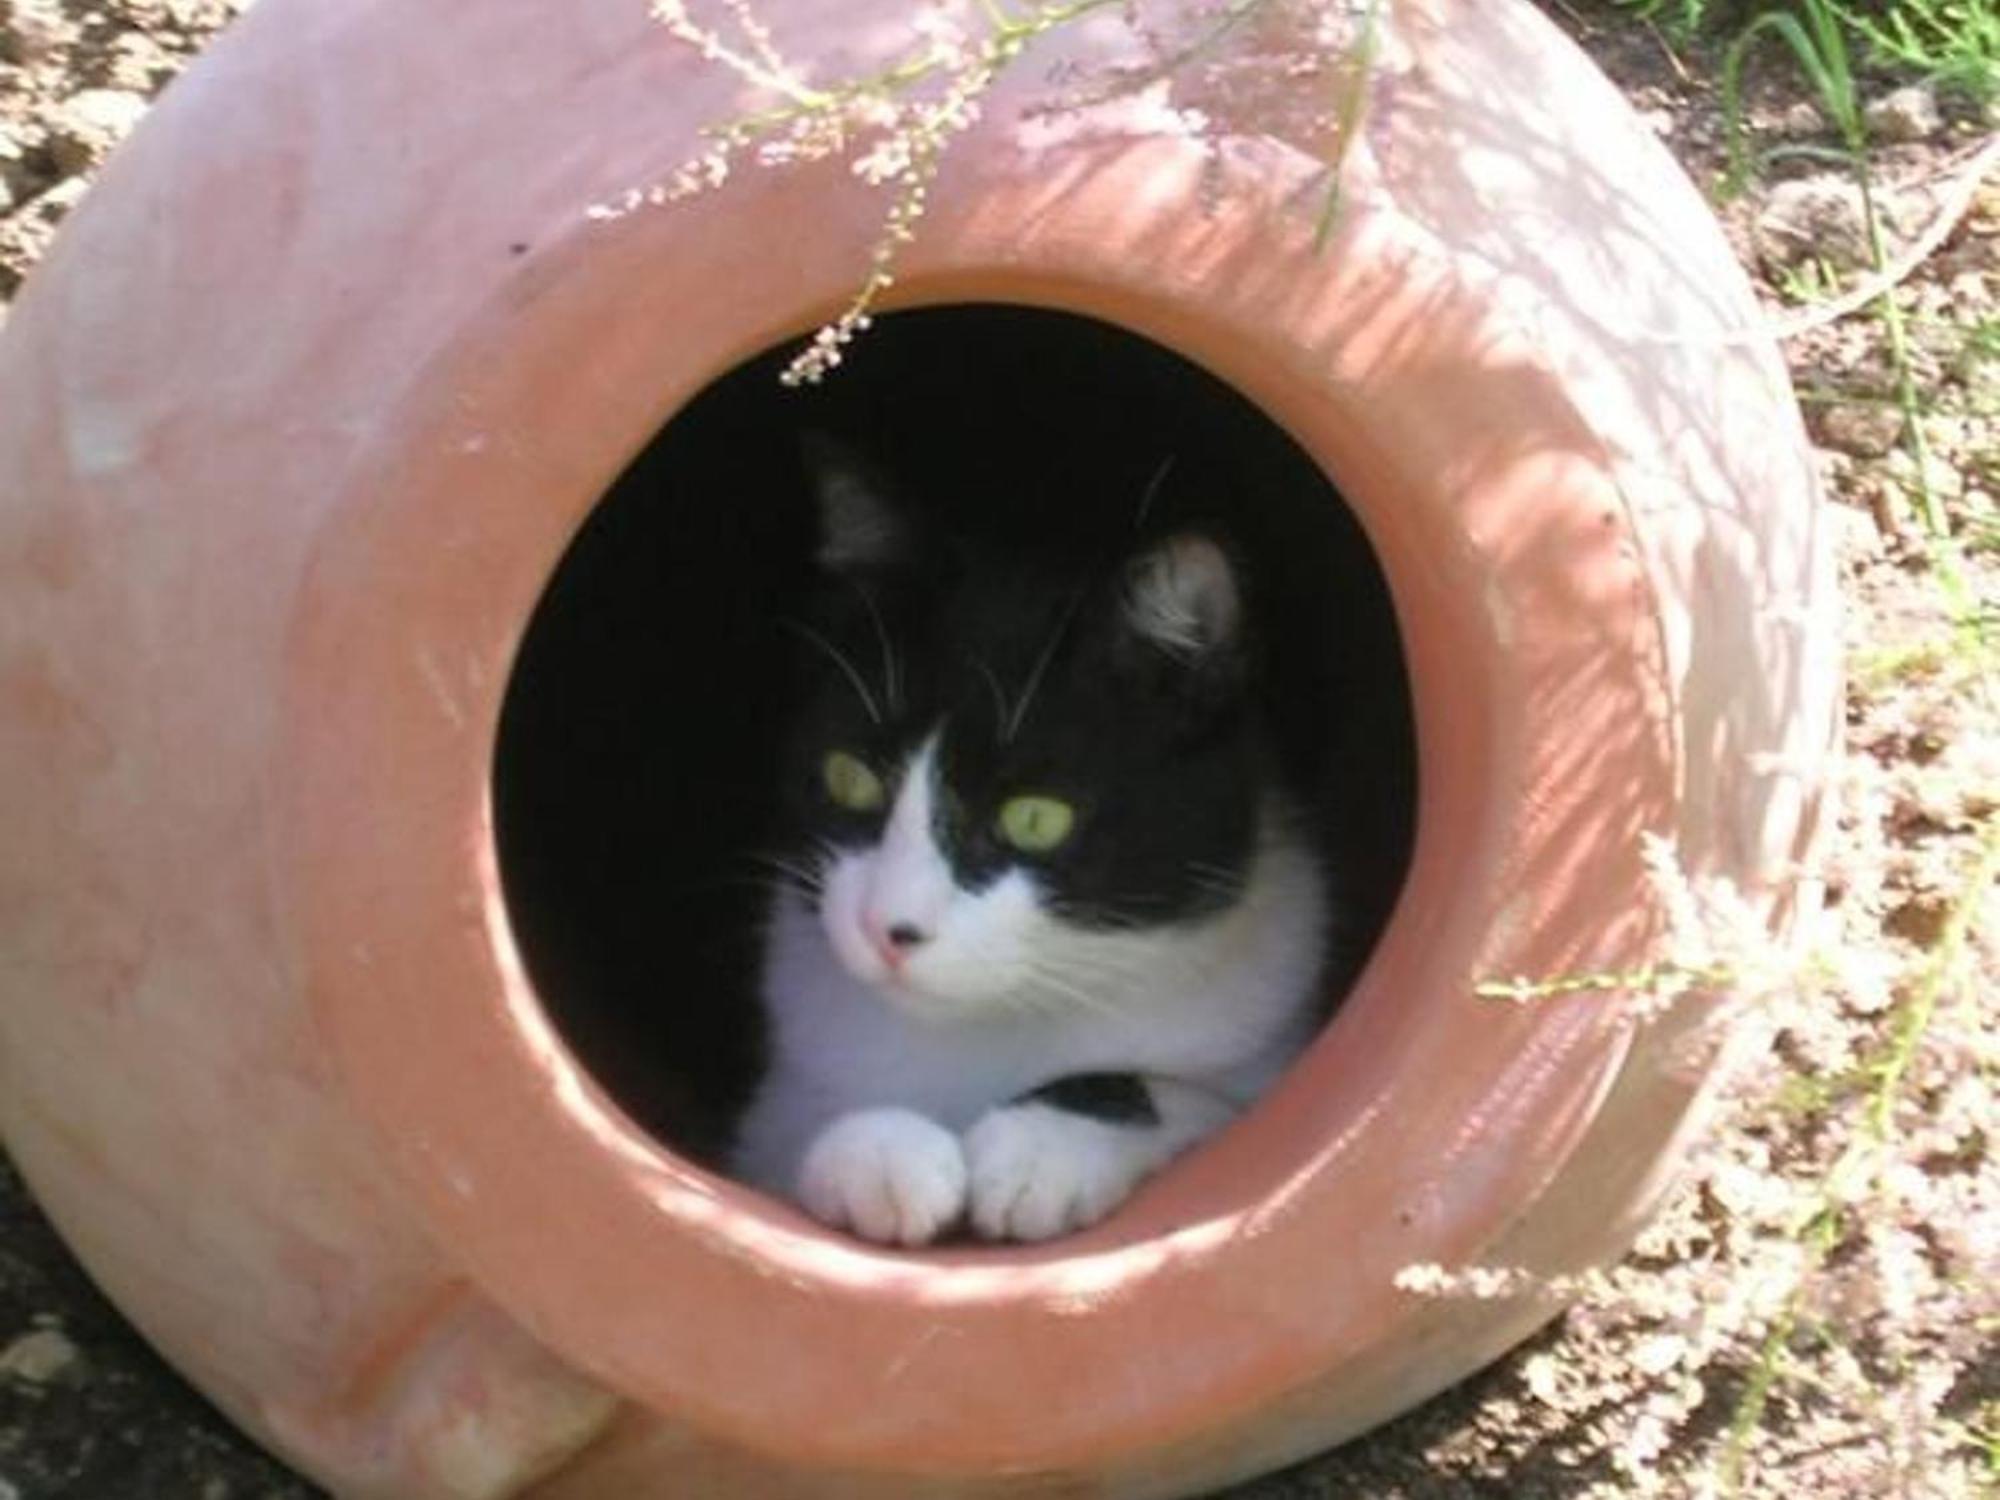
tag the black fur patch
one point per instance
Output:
(1114, 1098)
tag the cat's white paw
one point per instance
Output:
(1037, 1171)
(889, 1175)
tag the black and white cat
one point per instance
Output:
(1048, 916)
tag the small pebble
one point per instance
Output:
(1802, 118)
(1946, 483)
(1863, 429)
(1856, 531)
(33, 30)
(87, 125)
(1821, 215)
(39, 1357)
(1908, 114)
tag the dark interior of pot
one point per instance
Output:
(638, 746)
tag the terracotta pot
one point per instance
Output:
(295, 424)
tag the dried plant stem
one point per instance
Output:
(1854, 1172)
(1666, 978)
(1916, 1015)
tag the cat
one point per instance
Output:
(1048, 916)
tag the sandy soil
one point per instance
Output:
(1840, 1234)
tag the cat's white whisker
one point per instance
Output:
(799, 870)
(1068, 987)
(1214, 874)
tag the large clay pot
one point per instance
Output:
(295, 424)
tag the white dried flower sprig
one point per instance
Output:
(895, 123)
(758, 61)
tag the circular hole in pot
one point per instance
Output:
(639, 746)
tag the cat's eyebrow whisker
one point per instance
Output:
(1041, 667)
(1001, 718)
(892, 686)
(1153, 490)
(839, 660)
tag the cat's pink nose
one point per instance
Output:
(898, 940)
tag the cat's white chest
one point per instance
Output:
(837, 1045)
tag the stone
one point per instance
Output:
(31, 30)
(1906, 114)
(1946, 483)
(1802, 118)
(87, 125)
(1857, 532)
(1834, 467)
(1821, 215)
(1864, 429)
(38, 1358)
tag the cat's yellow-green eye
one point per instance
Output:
(1034, 824)
(850, 783)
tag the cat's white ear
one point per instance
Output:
(857, 527)
(1182, 596)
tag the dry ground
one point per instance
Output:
(1851, 1202)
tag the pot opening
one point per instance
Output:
(638, 751)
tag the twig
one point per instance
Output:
(1957, 200)
(1666, 48)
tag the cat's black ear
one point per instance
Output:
(858, 527)
(1182, 597)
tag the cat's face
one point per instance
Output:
(998, 775)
